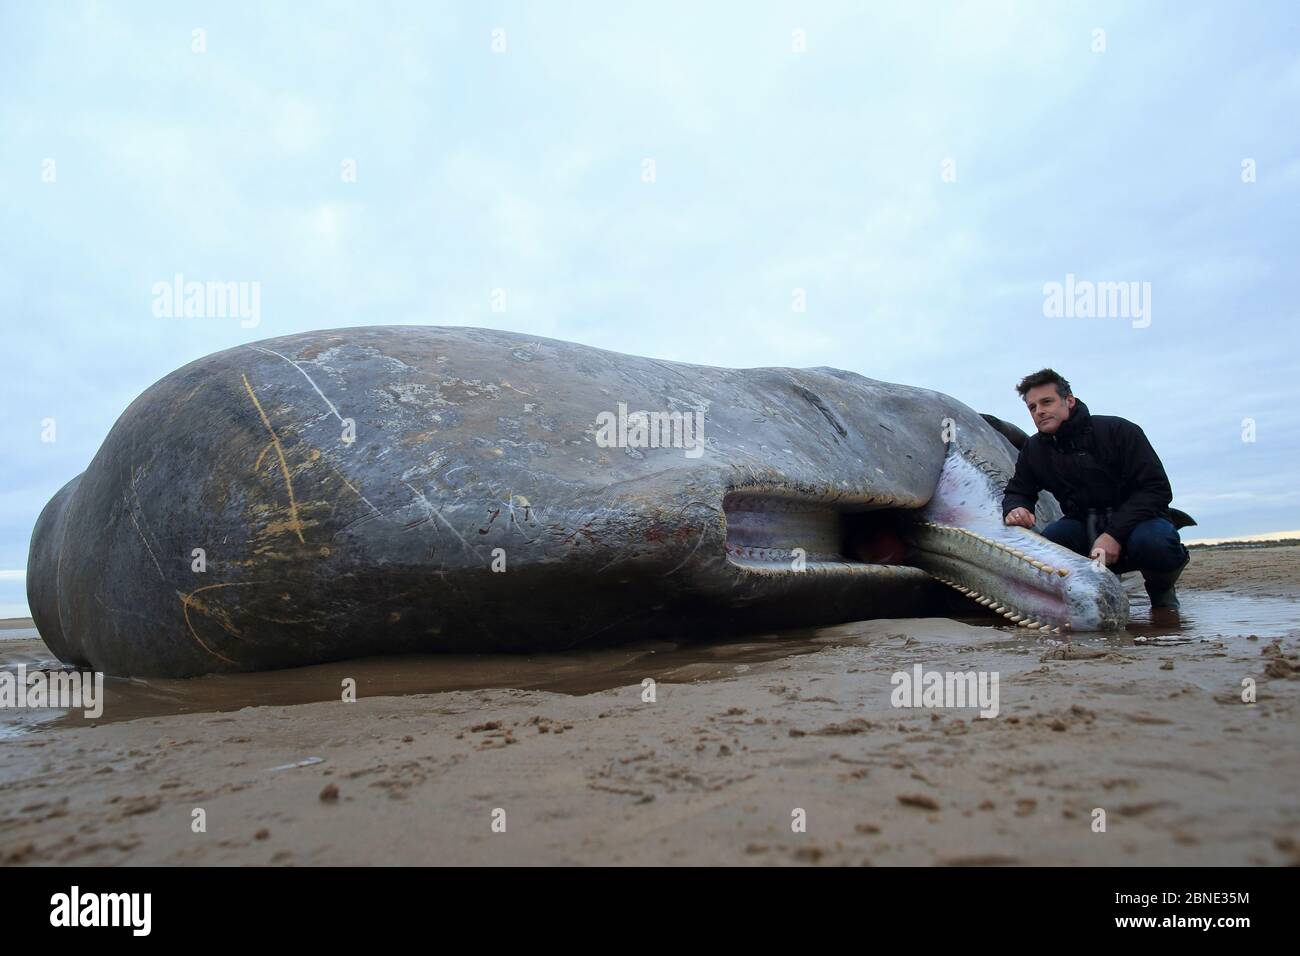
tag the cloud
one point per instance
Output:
(775, 170)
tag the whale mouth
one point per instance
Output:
(776, 532)
(956, 535)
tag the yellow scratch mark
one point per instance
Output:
(279, 527)
(188, 601)
(258, 464)
(217, 614)
(420, 437)
(284, 465)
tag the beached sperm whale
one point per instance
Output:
(393, 489)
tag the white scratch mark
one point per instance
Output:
(135, 475)
(514, 523)
(354, 490)
(308, 378)
(429, 510)
(131, 514)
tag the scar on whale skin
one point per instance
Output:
(284, 465)
(189, 600)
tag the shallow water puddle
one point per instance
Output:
(1205, 615)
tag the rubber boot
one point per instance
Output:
(1160, 585)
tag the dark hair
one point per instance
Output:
(1045, 377)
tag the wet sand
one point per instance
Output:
(1148, 726)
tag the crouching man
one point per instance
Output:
(1112, 488)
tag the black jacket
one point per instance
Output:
(1093, 461)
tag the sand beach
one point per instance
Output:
(776, 749)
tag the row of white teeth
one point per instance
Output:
(1041, 566)
(774, 499)
(768, 554)
(1021, 620)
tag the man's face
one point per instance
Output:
(1047, 408)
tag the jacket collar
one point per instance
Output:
(1073, 427)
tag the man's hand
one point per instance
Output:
(1107, 547)
(1020, 517)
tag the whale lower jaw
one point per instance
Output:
(970, 561)
(1029, 580)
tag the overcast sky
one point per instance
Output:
(921, 171)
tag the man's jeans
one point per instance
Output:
(1152, 546)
